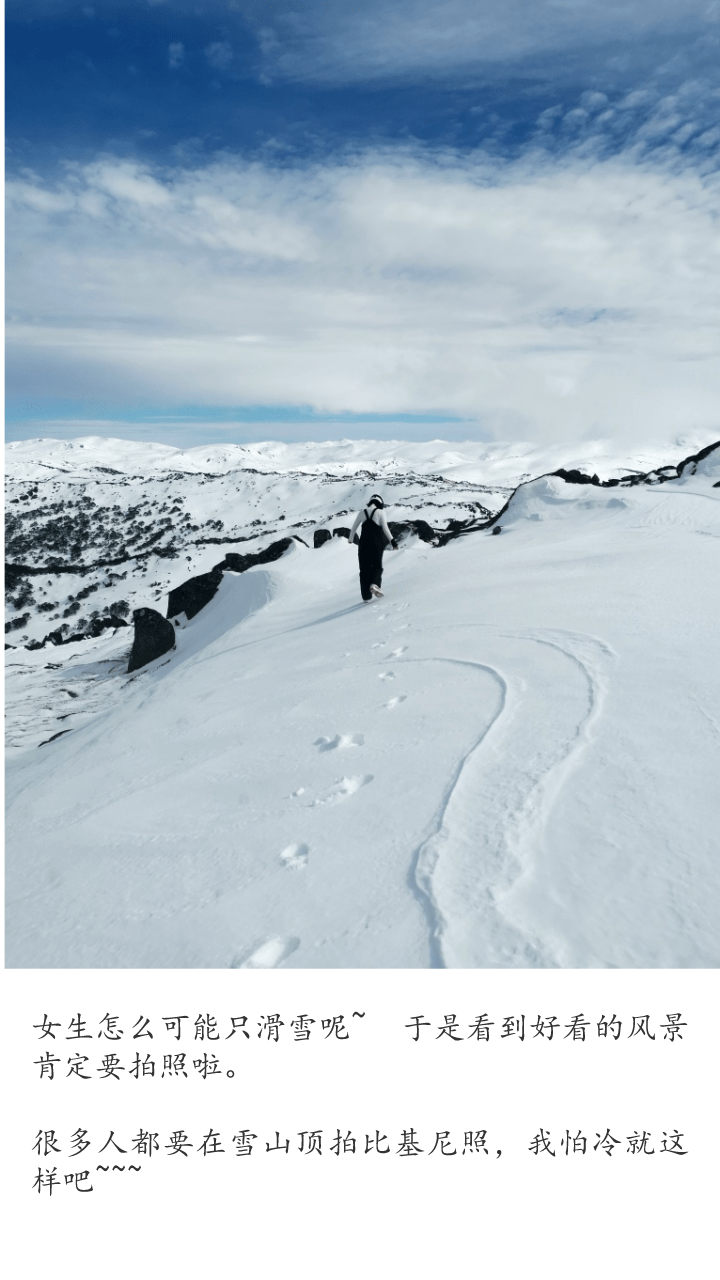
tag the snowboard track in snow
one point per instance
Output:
(521, 806)
(422, 867)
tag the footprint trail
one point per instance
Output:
(343, 789)
(267, 954)
(295, 856)
(340, 742)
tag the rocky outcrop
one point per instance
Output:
(658, 476)
(320, 537)
(423, 530)
(399, 529)
(96, 628)
(458, 528)
(154, 636)
(193, 595)
(238, 562)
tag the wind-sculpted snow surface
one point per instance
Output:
(509, 760)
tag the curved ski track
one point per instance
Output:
(491, 821)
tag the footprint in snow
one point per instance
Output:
(267, 954)
(396, 653)
(339, 741)
(395, 701)
(295, 856)
(386, 675)
(343, 789)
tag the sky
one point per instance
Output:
(462, 219)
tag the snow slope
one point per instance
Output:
(510, 760)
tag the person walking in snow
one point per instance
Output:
(374, 538)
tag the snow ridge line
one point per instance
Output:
(425, 858)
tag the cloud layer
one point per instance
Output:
(552, 297)
(332, 42)
(398, 39)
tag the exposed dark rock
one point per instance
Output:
(154, 636)
(238, 562)
(320, 537)
(579, 477)
(658, 476)
(193, 595)
(96, 628)
(400, 528)
(98, 625)
(471, 526)
(498, 528)
(341, 533)
(55, 735)
(423, 530)
(698, 457)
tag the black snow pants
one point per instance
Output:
(370, 554)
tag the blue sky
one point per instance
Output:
(467, 218)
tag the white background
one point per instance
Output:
(328, 1215)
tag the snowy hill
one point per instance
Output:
(510, 760)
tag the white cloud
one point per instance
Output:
(219, 55)
(268, 40)
(593, 101)
(176, 54)
(331, 41)
(549, 298)
(33, 196)
(127, 182)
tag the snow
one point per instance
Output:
(510, 760)
(472, 461)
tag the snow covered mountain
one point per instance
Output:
(509, 760)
